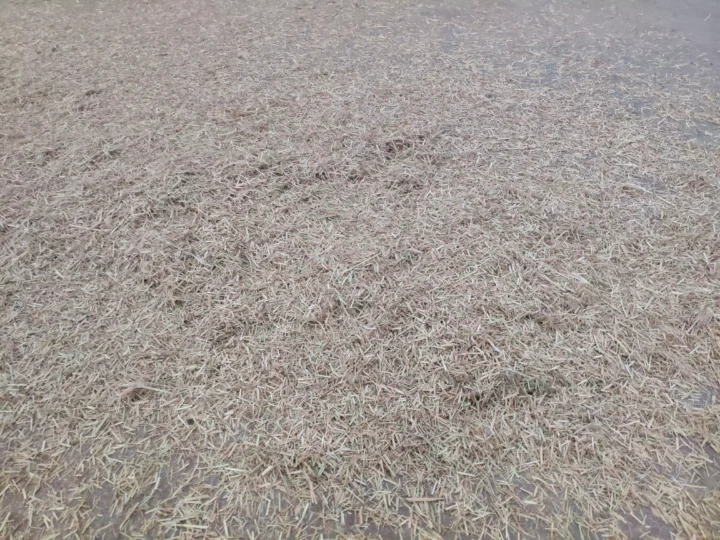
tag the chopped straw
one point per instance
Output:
(356, 269)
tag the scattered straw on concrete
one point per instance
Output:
(352, 269)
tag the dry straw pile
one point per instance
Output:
(351, 269)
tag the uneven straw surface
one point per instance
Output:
(354, 269)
